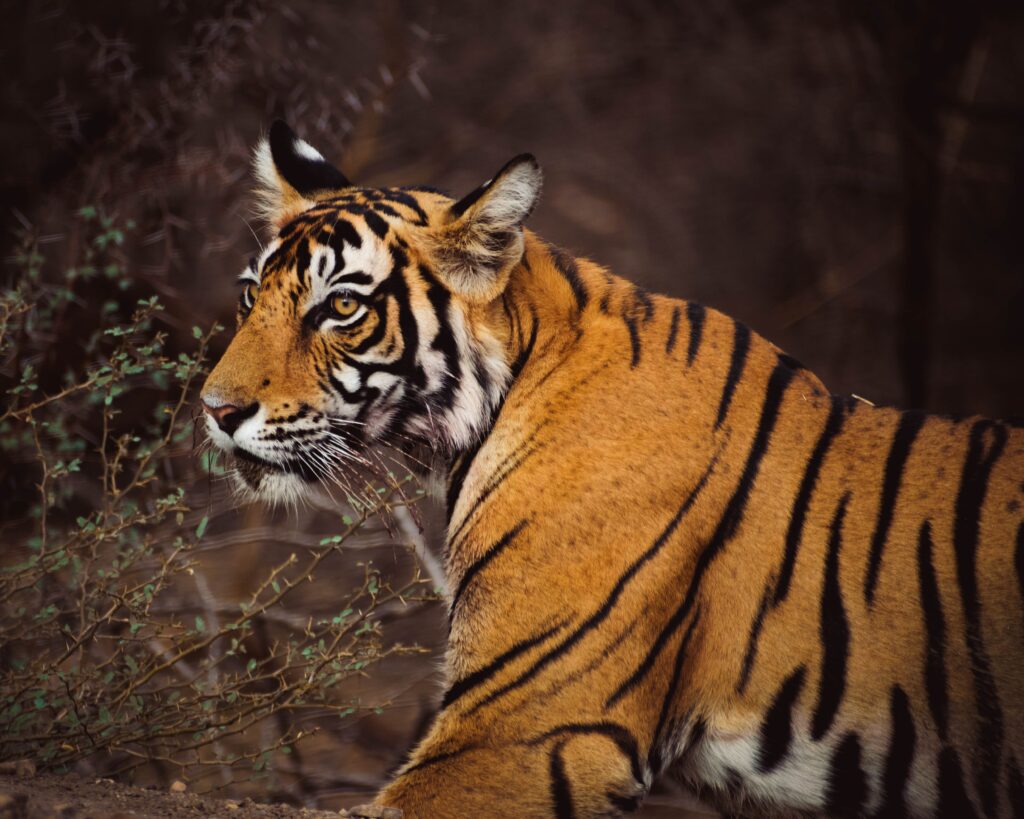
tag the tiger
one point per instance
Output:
(670, 550)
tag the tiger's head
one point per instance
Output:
(368, 319)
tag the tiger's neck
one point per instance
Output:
(567, 325)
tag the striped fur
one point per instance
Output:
(671, 550)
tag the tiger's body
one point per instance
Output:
(670, 549)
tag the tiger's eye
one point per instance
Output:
(344, 305)
(251, 289)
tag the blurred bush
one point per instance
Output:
(104, 515)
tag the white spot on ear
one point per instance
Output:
(307, 151)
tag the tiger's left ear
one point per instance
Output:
(289, 171)
(481, 239)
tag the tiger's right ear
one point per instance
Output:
(481, 238)
(289, 171)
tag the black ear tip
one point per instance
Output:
(519, 161)
(527, 159)
(282, 138)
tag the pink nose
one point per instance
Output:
(229, 417)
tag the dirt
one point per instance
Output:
(49, 796)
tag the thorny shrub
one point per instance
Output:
(100, 525)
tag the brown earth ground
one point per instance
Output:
(51, 796)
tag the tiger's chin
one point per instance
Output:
(255, 483)
(259, 481)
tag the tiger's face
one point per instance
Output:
(367, 319)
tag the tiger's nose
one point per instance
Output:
(230, 417)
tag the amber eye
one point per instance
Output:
(344, 305)
(249, 294)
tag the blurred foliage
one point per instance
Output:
(94, 663)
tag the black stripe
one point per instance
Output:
(634, 337)
(643, 299)
(355, 277)
(835, 633)
(935, 631)
(343, 232)
(303, 259)
(526, 351)
(380, 207)
(457, 476)
(909, 426)
(444, 342)
(599, 616)
(567, 351)
(566, 265)
(487, 557)
(509, 464)
(791, 362)
(753, 639)
(396, 196)
(673, 331)
(695, 315)
(981, 458)
(794, 534)
(376, 224)
(678, 726)
(740, 348)
(481, 675)
(847, 785)
(900, 760)
(953, 802)
(434, 760)
(730, 520)
(619, 734)
(375, 336)
(407, 324)
(777, 728)
(670, 693)
(561, 795)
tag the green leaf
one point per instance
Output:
(200, 624)
(201, 528)
(197, 333)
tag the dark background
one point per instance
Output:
(846, 177)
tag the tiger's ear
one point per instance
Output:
(481, 239)
(288, 172)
